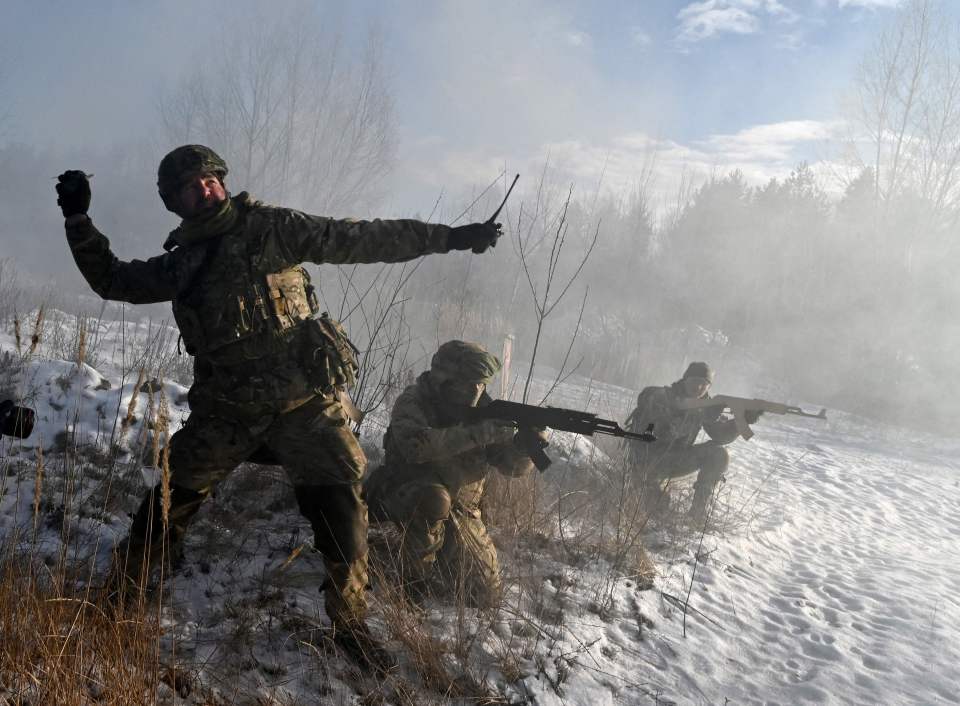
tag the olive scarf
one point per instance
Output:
(195, 230)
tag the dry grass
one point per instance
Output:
(67, 648)
(61, 641)
(442, 663)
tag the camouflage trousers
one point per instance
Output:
(322, 458)
(708, 461)
(445, 544)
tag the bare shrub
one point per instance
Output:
(60, 647)
(298, 119)
(11, 292)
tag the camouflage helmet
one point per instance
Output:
(183, 162)
(460, 360)
(699, 370)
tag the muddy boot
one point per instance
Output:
(363, 649)
(418, 590)
(141, 552)
(346, 604)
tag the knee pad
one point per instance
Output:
(433, 502)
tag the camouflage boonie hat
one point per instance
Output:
(183, 162)
(699, 370)
(460, 360)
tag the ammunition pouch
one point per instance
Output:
(292, 298)
(332, 358)
(261, 312)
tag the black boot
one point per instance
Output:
(360, 645)
(140, 553)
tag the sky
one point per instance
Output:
(596, 87)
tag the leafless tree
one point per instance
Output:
(907, 112)
(547, 296)
(303, 119)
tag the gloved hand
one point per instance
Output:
(531, 438)
(73, 192)
(752, 415)
(492, 431)
(533, 441)
(475, 236)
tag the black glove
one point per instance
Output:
(476, 236)
(531, 438)
(73, 192)
(533, 441)
(16, 421)
(752, 415)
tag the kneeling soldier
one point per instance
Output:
(676, 452)
(436, 468)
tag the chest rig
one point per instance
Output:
(243, 309)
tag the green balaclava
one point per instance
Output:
(468, 362)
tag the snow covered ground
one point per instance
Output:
(829, 575)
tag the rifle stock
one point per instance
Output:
(739, 406)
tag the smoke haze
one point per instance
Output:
(743, 192)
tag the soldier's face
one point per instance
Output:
(200, 194)
(695, 387)
(462, 393)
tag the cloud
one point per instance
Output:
(774, 142)
(708, 18)
(701, 20)
(760, 153)
(869, 3)
(577, 38)
(640, 37)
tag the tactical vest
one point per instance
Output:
(241, 307)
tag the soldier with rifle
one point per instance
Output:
(446, 436)
(679, 412)
(269, 373)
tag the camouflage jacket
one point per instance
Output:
(244, 306)
(676, 429)
(422, 444)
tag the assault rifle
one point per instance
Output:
(16, 421)
(739, 406)
(528, 417)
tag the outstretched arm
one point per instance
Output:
(318, 239)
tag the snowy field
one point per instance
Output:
(830, 575)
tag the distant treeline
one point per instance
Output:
(847, 302)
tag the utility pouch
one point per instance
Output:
(292, 299)
(333, 357)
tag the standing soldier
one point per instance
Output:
(435, 471)
(675, 453)
(267, 371)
